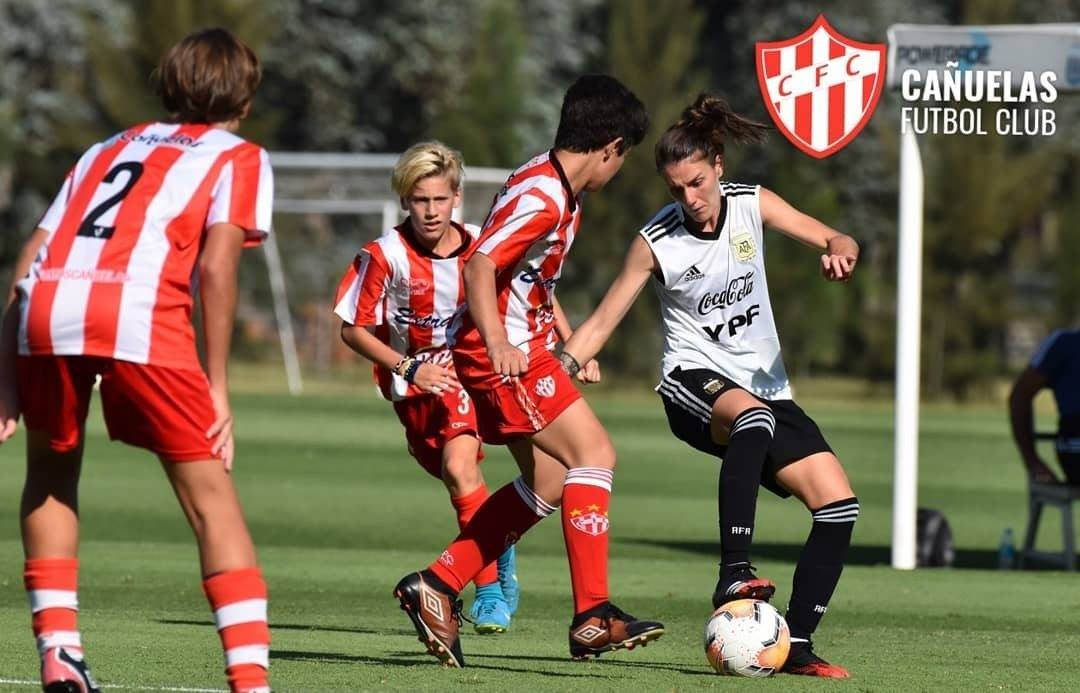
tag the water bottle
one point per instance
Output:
(1006, 556)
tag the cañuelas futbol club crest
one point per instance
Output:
(820, 87)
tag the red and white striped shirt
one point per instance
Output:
(116, 275)
(411, 296)
(528, 233)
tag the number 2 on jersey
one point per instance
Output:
(90, 227)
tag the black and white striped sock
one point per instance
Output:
(820, 565)
(740, 474)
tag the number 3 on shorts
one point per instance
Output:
(463, 407)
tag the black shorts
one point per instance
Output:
(689, 396)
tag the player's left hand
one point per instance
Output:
(221, 431)
(589, 373)
(9, 409)
(838, 268)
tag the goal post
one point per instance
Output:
(919, 50)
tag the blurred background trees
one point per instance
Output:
(1002, 242)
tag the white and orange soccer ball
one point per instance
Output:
(747, 637)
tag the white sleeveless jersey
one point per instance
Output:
(714, 300)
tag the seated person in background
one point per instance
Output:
(1056, 365)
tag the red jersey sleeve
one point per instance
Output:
(510, 231)
(361, 293)
(244, 194)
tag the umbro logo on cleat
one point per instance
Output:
(692, 274)
(431, 602)
(588, 633)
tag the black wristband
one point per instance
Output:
(569, 363)
(410, 372)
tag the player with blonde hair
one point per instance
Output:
(397, 303)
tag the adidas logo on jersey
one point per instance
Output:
(692, 274)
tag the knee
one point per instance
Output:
(600, 454)
(461, 472)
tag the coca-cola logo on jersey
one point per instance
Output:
(737, 290)
(406, 316)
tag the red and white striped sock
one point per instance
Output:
(52, 586)
(500, 522)
(586, 494)
(238, 598)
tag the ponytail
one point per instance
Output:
(702, 130)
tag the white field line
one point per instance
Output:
(120, 686)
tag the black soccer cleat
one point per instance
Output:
(803, 662)
(738, 581)
(606, 627)
(65, 671)
(436, 616)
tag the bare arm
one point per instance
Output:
(562, 323)
(590, 370)
(217, 280)
(841, 251)
(591, 336)
(1023, 422)
(479, 278)
(9, 347)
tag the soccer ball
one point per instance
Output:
(747, 637)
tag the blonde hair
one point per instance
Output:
(423, 160)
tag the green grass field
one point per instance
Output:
(340, 512)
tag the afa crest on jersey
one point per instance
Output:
(742, 244)
(820, 87)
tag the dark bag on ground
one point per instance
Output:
(935, 548)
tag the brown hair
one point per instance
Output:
(702, 129)
(209, 77)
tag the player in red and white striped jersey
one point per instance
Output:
(105, 289)
(397, 302)
(522, 394)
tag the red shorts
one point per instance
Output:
(508, 408)
(432, 421)
(165, 410)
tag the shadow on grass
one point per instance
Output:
(603, 663)
(978, 559)
(299, 626)
(413, 659)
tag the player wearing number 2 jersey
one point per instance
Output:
(723, 383)
(397, 303)
(105, 289)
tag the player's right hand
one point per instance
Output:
(436, 379)
(506, 359)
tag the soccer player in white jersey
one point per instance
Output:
(723, 382)
(397, 303)
(104, 289)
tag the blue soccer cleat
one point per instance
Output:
(508, 579)
(490, 613)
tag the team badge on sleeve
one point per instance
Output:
(820, 87)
